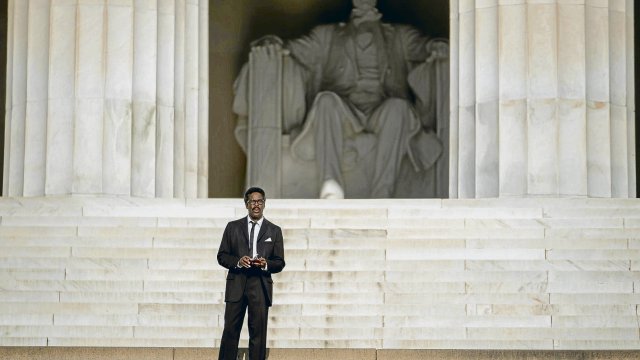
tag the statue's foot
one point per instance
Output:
(331, 190)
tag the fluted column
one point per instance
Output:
(543, 98)
(107, 97)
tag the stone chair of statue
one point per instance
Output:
(274, 98)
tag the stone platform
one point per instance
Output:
(81, 353)
(371, 276)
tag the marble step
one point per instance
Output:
(494, 273)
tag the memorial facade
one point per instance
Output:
(107, 240)
(541, 99)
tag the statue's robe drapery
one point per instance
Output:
(325, 62)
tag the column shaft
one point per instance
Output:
(513, 101)
(165, 98)
(15, 124)
(618, 96)
(487, 99)
(631, 103)
(454, 90)
(107, 97)
(89, 95)
(598, 100)
(143, 149)
(466, 102)
(203, 100)
(118, 98)
(36, 107)
(60, 119)
(551, 83)
(572, 123)
(542, 93)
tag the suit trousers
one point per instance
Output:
(253, 299)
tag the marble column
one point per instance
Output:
(107, 97)
(542, 98)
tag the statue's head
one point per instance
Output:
(364, 11)
(364, 4)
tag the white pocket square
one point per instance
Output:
(268, 240)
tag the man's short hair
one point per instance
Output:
(252, 190)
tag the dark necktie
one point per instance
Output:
(253, 226)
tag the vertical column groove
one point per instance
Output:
(203, 99)
(618, 99)
(454, 91)
(191, 110)
(8, 99)
(631, 104)
(165, 99)
(467, 105)
(16, 128)
(179, 124)
(487, 81)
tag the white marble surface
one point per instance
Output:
(542, 273)
(86, 79)
(568, 61)
(36, 113)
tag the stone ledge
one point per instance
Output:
(93, 353)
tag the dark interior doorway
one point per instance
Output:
(234, 24)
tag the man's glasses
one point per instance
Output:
(256, 202)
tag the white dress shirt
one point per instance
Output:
(256, 231)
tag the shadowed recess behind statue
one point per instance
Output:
(354, 109)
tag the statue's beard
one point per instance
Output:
(359, 16)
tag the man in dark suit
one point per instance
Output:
(252, 249)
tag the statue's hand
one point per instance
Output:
(267, 40)
(438, 49)
(267, 47)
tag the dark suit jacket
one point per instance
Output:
(235, 244)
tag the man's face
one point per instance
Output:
(255, 205)
(364, 4)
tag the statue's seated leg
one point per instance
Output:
(331, 190)
(332, 120)
(393, 122)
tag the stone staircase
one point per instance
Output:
(492, 274)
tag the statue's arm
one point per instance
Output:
(310, 50)
(428, 79)
(419, 48)
(414, 44)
